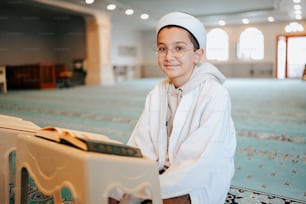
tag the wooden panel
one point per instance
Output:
(31, 76)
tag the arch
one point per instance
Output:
(217, 45)
(251, 44)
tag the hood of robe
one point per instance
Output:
(201, 73)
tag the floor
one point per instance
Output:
(269, 114)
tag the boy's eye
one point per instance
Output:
(162, 49)
(179, 48)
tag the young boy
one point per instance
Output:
(186, 125)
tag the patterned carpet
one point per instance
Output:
(270, 117)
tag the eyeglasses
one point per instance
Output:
(177, 51)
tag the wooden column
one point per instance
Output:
(98, 50)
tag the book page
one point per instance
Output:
(50, 133)
(55, 133)
(69, 137)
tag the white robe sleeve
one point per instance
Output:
(149, 126)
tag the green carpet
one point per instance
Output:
(269, 114)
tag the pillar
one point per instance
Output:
(98, 50)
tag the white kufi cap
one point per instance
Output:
(186, 21)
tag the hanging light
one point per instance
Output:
(111, 7)
(89, 1)
(221, 22)
(129, 11)
(144, 16)
(270, 19)
(245, 21)
(297, 1)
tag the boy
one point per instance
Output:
(186, 125)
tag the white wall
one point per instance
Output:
(125, 38)
(27, 38)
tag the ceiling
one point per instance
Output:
(208, 11)
(211, 11)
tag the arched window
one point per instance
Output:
(251, 44)
(217, 45)
(294, 27)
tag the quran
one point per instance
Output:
(87, 141)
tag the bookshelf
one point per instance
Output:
(31, 76)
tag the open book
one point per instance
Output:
(87, 141)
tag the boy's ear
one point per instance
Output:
(199, 55)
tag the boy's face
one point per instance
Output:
(178, 58)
